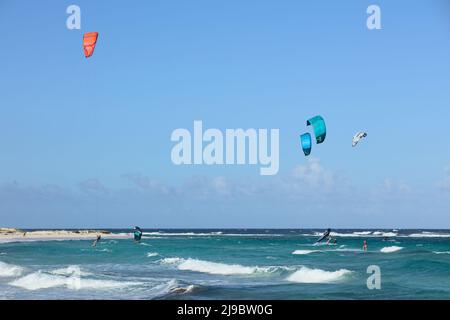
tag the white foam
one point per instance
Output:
(96, 250)
(40, 280)
(331, 248)
(427, 234)
(171, 287)
(391, 249)
(360, 234)
(389, 234)
(215, 267)
(152, 254)
(175, 287)
(441, 252)
(10, 270)
(324, 244)
(219, 268)
(346, 250)
(207, 234)
(171, 260)
(304, 252)
(72, 270)
(307, 275)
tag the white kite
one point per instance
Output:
(358, 137)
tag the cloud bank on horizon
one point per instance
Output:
(304, 198)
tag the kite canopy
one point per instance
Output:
(320, 130)
(326, 234)
(89, 41)
(357, 137)
(306, 143)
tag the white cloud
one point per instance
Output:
(314, 175)
(148, 184)
(93, 186)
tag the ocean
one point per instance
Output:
(230, 264)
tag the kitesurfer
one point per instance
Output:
(99, 237)
(325, 235)
(137, 234)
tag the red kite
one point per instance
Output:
(89, 41)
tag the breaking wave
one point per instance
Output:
(73, 270)
(307, 275)
(10, 270)
(391, 249)
(70, 278)
(304, 252)
(152, 254)
(428, 234)
(219, 268)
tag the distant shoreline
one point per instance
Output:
(15, 234)
(11, 234)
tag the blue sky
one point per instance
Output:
(86, 142)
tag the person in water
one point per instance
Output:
(365, 245)
(96, 240)
(137, 234)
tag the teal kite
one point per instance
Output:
(306, 143)
(320, 130)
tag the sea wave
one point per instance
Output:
(171, 260)
(171, 287)
(174, 287)
(358, 234)
(329, 248)
(152, 254)
(220, 268)
(70, 278)
(391, 249)
(72, 270)
(441, 252)
(209, 234)
(362, 233)
(365, 234)
(307, 275)
(96, 250)
(10, 270)
(305, 252)
(428, 234)
(346, 250)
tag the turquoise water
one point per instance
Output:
(230, 264)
